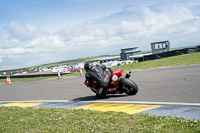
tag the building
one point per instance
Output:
(126, 54)
(129, 53)
(160, 47)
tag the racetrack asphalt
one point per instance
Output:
(174, 89)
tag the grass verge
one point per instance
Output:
(38, 78)
(186, 59)
(33, 120)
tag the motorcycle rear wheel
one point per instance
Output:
(128, 86)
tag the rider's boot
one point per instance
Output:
(113, 91)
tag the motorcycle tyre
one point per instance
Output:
(130, 85)
(100, 96)
(93, 90)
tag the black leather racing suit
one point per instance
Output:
(101, 74)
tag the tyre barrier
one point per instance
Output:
(170, 53)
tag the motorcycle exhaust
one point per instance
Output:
(128, 74)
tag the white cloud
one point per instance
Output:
(20, 30)
(1, 58)
(24, 44)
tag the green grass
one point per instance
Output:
(186, 59)
(38, 120)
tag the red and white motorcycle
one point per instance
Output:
(119, 84)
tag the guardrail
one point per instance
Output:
(32, 75)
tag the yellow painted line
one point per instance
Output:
(23, 104)
(126, 108)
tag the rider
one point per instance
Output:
(100, 74)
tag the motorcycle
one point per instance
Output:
(119, 84)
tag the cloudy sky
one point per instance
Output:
(34, 32)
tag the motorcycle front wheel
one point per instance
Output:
(128, 86)
(100, 93)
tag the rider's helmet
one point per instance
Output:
(88, 65)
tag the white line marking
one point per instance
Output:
(120, 102)
(144, 102)
(38, 101)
